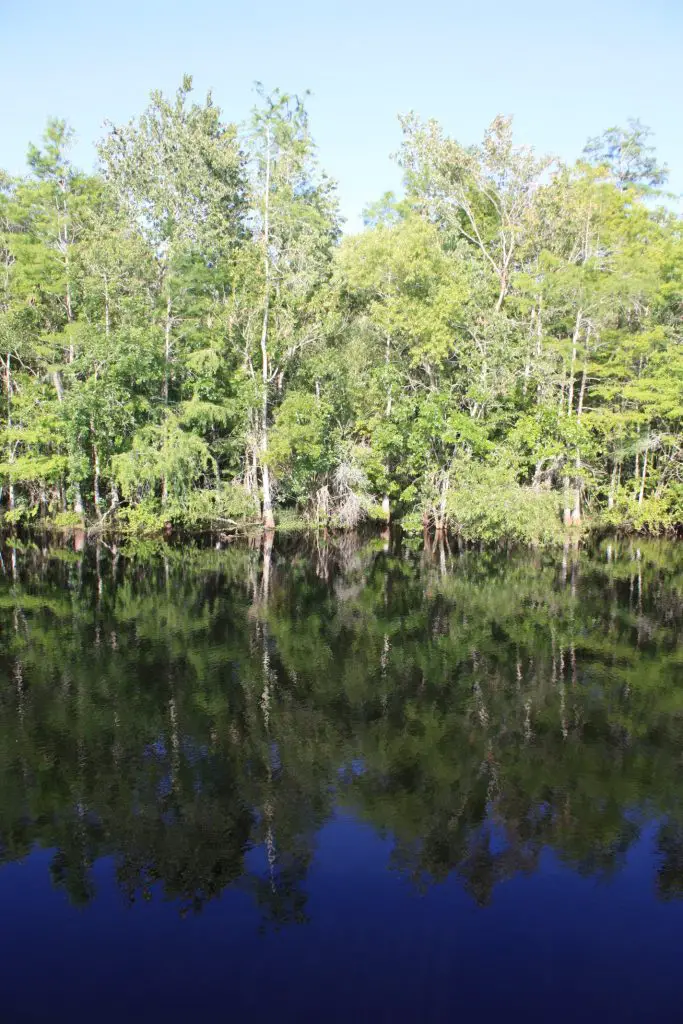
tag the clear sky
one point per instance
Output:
(565, 70)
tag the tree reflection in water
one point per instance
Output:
(198, 714)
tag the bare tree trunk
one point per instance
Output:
(582, 391)
(168, 324)
(441, 521)
(10, 446)
(251, 467)
(387, 360)
(268, 518)
(106, 307)
(636, 469)
(575, 341)
(59, 387)
(96, 472)
(67, 274)
(78, 499)
(503, 291)
(567, 507)
(167, 349)
(612, 486)
(527, 364)
(641, 495)
(576, 511)
(539, 347)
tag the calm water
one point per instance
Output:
(340, 782)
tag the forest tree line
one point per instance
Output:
(187, 337)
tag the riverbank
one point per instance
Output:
(78, 534)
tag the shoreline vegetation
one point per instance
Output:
(190, 344)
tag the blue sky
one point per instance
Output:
(565, 70)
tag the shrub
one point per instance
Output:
(654, 515)
(485, 503)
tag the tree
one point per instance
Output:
(179, 172)
(627, 155)
(483, 193)
(187, 340)
(295, 226)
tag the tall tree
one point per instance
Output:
(295, 226)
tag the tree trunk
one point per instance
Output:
(106, 307)
(10, 447)
(636, 468)
(67, 274)
(576, 511)
(167, 349)
(168, 324)
(441, 519)
(582, 391)
(641, 494)
(78, 499)
(268, 518)
(567, 507)
(503, 291)
(59, 387)
(612, 486)
(96, 472)
(575, 341)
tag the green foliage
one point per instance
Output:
(66, 520)
(144, 518)
(21, 513)
(627, 155)
(186, 333)
(298, 446)
(654, 515)
(164, 454)
(226, 508)
(485, 503)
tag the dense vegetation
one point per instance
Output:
(174, 710)
(187, 338)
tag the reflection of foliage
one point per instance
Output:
(180, 709)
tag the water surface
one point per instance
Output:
(341, 780)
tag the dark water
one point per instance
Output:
(337, 782)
